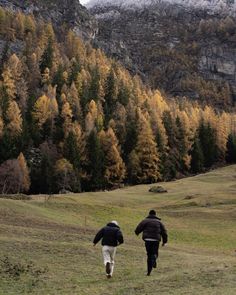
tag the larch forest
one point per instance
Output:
(73, 119)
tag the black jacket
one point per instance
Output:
(152, 228)
(111, 235)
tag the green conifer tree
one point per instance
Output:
(231, 149)
(197, 158)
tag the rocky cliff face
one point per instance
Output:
(212, 6)
(218, 62)
(59, 12)
(185, 51)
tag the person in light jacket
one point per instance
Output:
(111, 237)
(153, 231)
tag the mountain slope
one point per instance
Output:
(183, 51)
(70, 12)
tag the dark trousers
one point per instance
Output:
(152, 248)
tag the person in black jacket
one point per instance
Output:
(153, 231)
(111, 236)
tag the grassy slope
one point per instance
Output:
(199, 213)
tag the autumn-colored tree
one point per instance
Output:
(34, 75)
(120, 121)
(19, 25)
(25, 177)
(14, 176)
(9, 84)
(15, 67)
(45, 108)
(10, 177)
(65, 176)
(29, 24)
(144, 159)
(114, 165)
(74, 47)
(14, 119)
(46, 78)
(74, 100)
(41, 110)
(91, 117)
(2, 21)
(66, 114)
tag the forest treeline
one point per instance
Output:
(73, 119)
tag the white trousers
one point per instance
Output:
(109, 253)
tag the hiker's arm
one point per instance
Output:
(98, 237)
(164, 234)
(139, 228)
(120, 238)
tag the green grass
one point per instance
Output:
(55, 236)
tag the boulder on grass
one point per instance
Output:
(157, 189)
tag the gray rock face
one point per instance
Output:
(213, 6)
(218, 62)
(59, 12)
(162, 43)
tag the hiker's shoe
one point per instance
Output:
(108, 268)
(148, 274)
(109, 276)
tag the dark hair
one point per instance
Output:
(152, 212)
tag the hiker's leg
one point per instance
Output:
(106, 259)
(112, 254)
(155, 252)
(148, 246)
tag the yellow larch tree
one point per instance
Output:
(9, 84)
(115, 170)
(74, 100)
(14, 118)
(16, 68)
(19, 25)
(91, 116)
(41, 110)
(25, 175)
(144, 159)
(45, 108)
(223, 131)
(66, 114)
